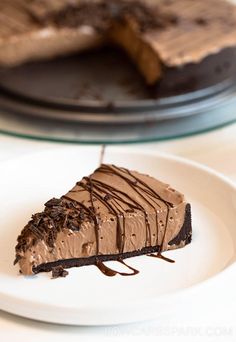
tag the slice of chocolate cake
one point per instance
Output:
(178, 46)
(111, 215)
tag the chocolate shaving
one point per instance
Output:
(35, 231)
(82, 215)
(58, 214)
(53, 202)
(74, 226)
(17, 259)
(82, 14)
(102, 14)
(55, 212)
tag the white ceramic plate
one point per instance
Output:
(86, 296)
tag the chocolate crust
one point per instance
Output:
(78, 262)
(182, 239)
(185, 233)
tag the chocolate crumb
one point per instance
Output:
(74, 226)
(82, 14)
(82, 215)
(53, 202)
(101, 15)
(59, 272)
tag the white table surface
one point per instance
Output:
(216, 149)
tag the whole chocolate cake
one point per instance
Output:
(111, 215)
(178, 46)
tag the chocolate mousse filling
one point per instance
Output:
(113, 214)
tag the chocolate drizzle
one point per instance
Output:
(96, 222)
(113, 199)
(160, 256)
(135, 185)
(59, 272)
(111, 273)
